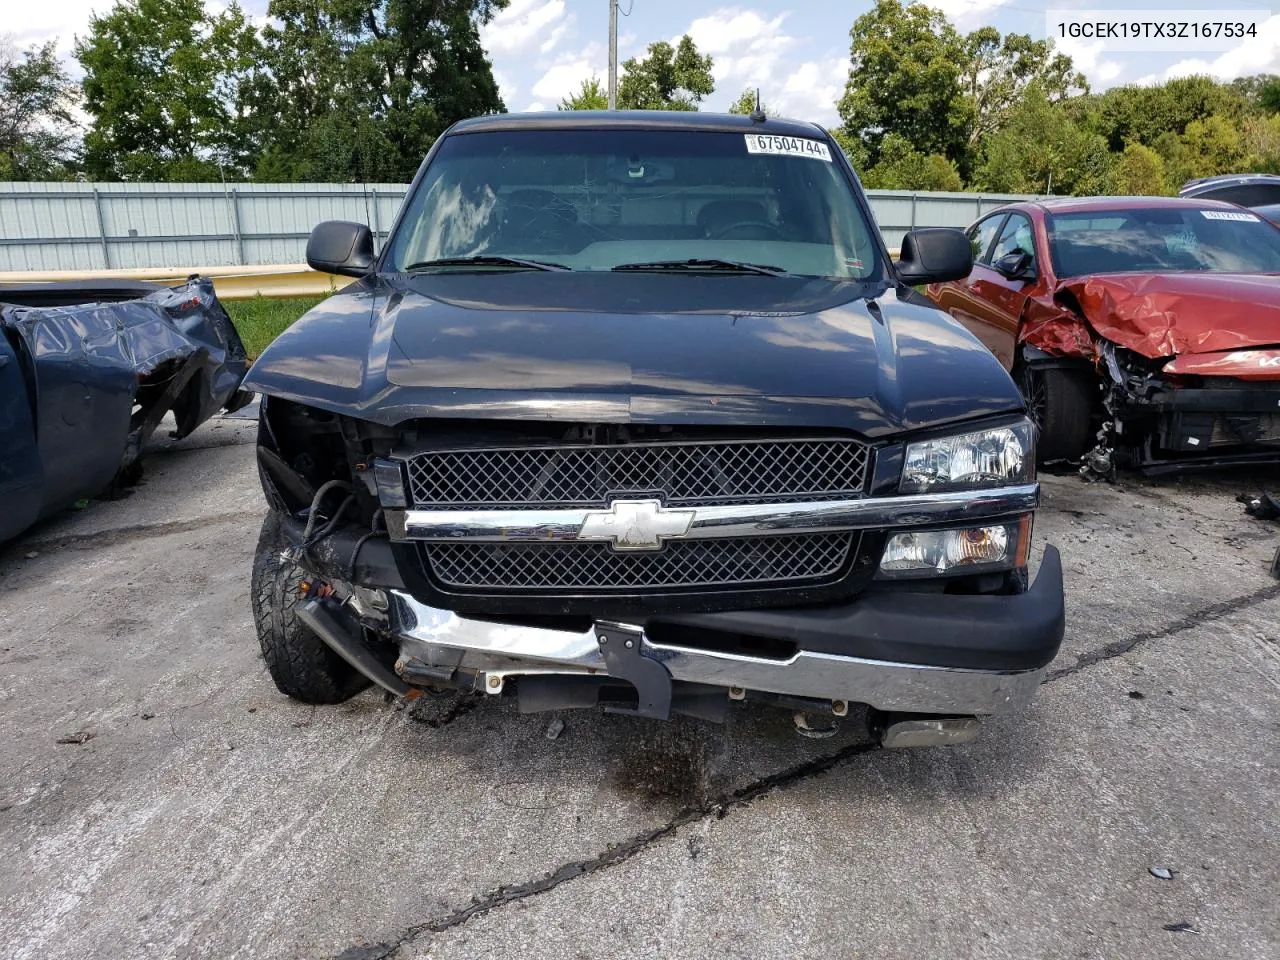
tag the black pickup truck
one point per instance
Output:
(634, 410)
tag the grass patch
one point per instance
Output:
(260, 320)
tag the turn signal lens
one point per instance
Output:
(936, 552)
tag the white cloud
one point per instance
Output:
(731, 29)
(1260, 54)
(557, 34)
(811, 90)
(59, 20)
(565, 76)
(745, 46)
(967, 13)
(525, 24)
(1086, 56)
(506, 87)
(537, 106)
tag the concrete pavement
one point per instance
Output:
(192, 811)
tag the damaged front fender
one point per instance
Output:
(88, 371)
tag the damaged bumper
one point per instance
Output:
(901, 653)
(1174, 417)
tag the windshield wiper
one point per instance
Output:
(705, 266)
(486, 260)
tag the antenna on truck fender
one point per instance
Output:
(757, 115)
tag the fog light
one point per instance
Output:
(934, 552)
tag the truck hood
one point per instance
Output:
(636, 348)
(1170, 314)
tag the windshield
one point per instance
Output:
(1162, 240)
(603, 198)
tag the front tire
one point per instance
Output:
(1061, 402)
(301, 664)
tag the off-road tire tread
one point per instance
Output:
(299, 662)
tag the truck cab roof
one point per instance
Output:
(637, 120)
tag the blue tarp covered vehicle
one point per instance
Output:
(87, 372)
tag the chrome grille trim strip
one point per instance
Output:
(725, 520)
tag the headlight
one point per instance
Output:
(925, 553)
(997, 457)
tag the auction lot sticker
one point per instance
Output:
(787, 146)
(1229, 215)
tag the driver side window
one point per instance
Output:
(1016, 237)
(981, 234)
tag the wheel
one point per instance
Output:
(299, 662)
(1061, 402)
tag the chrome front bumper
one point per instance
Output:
(443, 641)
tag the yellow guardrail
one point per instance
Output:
(231, 283)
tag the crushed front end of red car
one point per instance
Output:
(1190, 367)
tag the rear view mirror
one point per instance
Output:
(341, 247)
(934, 255)
(1015, 265)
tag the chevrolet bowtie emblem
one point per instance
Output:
(635, 524)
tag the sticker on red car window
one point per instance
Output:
(1229, 215)
(787, 146)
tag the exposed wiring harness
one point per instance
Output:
(355, 552)
(313, 514)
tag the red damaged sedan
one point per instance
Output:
(1143, 330)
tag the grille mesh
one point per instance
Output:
(590, 567)
(682, 473)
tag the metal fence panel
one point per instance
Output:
(95, 226)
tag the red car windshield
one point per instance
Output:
(1162, 240)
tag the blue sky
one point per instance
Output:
(796, 53)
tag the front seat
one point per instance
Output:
(718, 215)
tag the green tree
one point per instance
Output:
(1144, 114)
(669, 78)
(1260, 92)
(905, 78)
(902, 168)
(162, 84)
(1269, 95)
(1261, 140)
(1140, 172)
(37, 127)
(1206, 147)
(592, 95)
(853, 148)
(999, 70)
(1042, 150)
(360, 89)
(746, 104)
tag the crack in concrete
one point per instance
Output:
(1210, 614)
(611, 857)
(136, 531)
(721, 806)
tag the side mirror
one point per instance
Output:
(1015, 266)
(342, 247)
(934, 255)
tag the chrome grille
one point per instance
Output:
(681, 564)
(681, 473)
